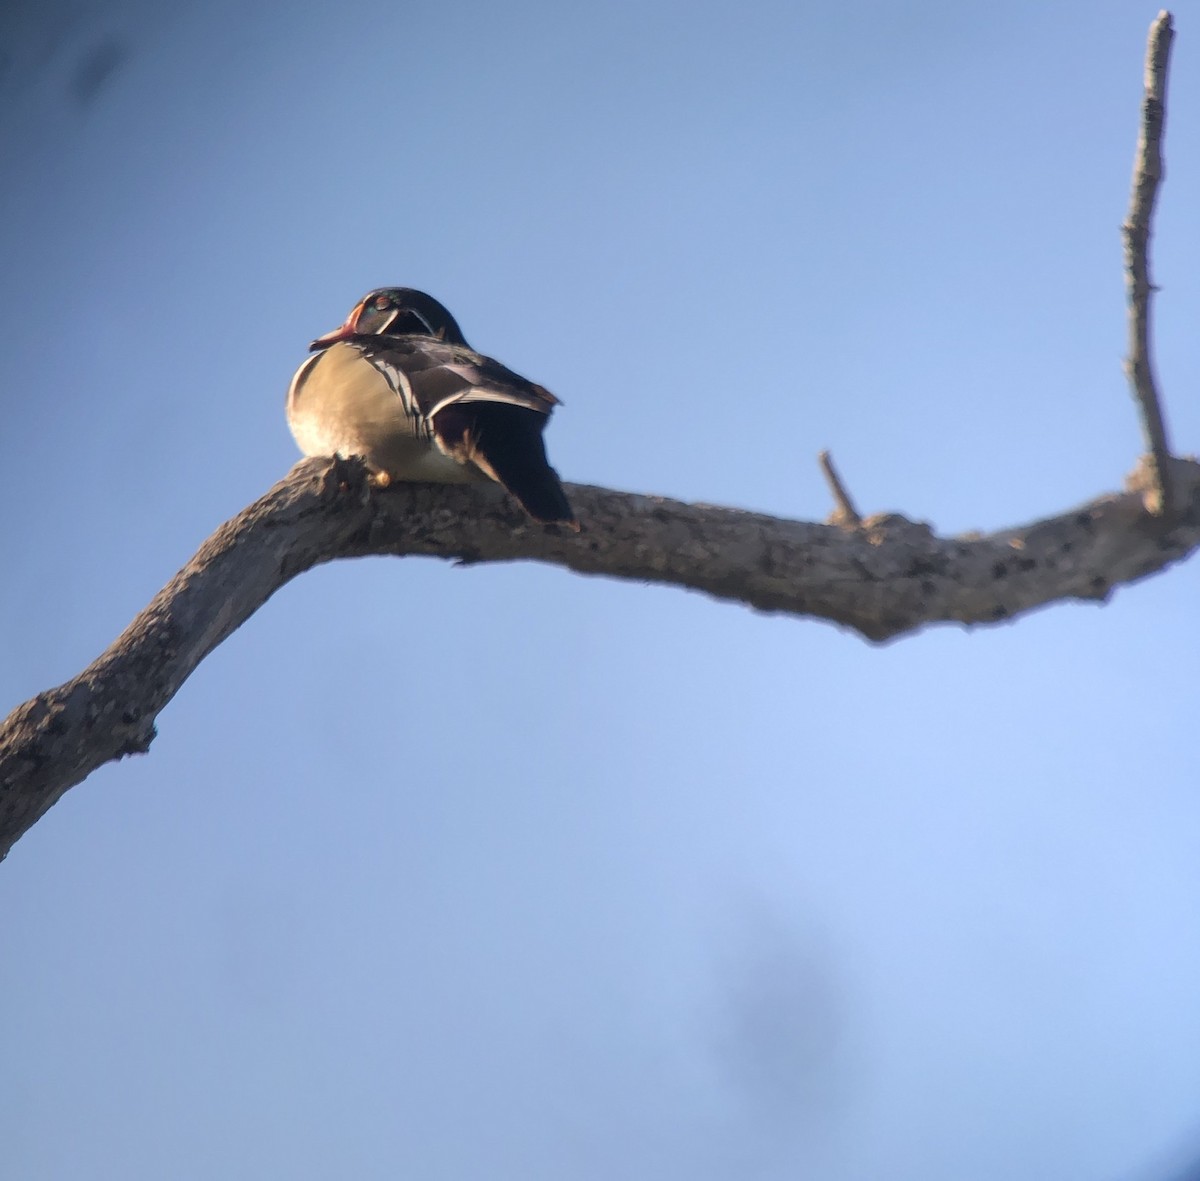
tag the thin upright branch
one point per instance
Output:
(844, 514)
(1147, 175)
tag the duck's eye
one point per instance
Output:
(382, 303)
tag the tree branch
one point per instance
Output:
(844, 513)
(1147, 173)
(890, 577)
(884, 577)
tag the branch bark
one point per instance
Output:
(881, 577)
(1147, 175)
(888, 577)
(844, 512)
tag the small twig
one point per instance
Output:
(846, 514)
(1147, 174)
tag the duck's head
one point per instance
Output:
(396, 311)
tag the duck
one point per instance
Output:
(398, 385)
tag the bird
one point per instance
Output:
(398, 385)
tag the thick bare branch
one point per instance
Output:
(889, 577)
(1147, 174)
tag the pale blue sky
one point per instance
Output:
(508, 873)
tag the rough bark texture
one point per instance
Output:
(881, 579)
(1147, 176)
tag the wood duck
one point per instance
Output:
(398, 385)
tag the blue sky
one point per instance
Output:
(576, 878)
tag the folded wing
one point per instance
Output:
(478, 412)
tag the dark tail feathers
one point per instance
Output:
(505, 442)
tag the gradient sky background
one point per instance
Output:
(578, 879)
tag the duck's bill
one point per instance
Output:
(341, 333)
